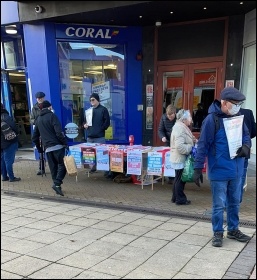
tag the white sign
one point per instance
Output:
(103, 90)
(154, 163)
(234, 132)
(71, 130)
(89, 116)
(168, 170)
(134, 162)
(76, 153)
(102, 158)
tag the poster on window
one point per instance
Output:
(88, 157)
(149, 106)
(134, 162)
(116, 161)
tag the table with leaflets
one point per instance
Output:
(142, 162)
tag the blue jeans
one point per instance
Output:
(225, 194)
(7, 160)
(243, 179)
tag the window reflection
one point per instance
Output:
(204, 89)
(87, 68)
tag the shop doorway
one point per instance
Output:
(19, 106)
(187, 86)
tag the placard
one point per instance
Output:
(154, 163)
(88, 157)
(134, 162)
(102, 158)
(76, 153)
(116, 161)
(168, 170)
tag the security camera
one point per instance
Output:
(38, 9)
(158, 23)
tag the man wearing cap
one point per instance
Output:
(40, 96)
(49, 128)
(100, 122)
(225, 173)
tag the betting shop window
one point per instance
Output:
(86, 68)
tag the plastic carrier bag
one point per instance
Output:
(188, 172)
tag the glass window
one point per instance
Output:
(87, 68)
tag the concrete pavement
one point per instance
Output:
(161, 239)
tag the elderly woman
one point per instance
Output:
(181, 143)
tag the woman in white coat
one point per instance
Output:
(181, 143)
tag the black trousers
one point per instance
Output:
(178, 194)
(56, 165)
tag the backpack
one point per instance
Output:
(7, 131)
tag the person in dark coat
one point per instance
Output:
(35, 112)
(48, 127)
(251, 125)
(166, 124)
(225, 169)
(8, 149)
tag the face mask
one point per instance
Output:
(234, 110)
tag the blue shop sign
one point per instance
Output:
(90, 32)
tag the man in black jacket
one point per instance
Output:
(166, 124)
(8, 148)
(40, 96)
(98, 124)
(48, 127)
(251, 125)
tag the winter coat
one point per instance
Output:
(49, 128)
(214, 145)
(34, 113)
(6, 118)
(181, 142)
(165, 127)
(100, 122)
(249, 121)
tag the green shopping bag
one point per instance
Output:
(188, 172)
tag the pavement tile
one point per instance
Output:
(46, 237)
(133, 229)
(24, 265)
(7, 256)
(56, 271)
(8, 275)
(88, 274)
(148, 243)
(162, 234)
(21, 232)
(119, 238)
(140, 273)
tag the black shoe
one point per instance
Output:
(217, 240)
(173, 201)
(5, 179)
(238, 235)
(41, 172)
(58, 190)
(184, 203)
(15, 179)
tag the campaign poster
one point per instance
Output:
(134, 162)
(168, 170)
(102, 158)
(76, 153)
(154, 163)
(116, 161)
(88, 157)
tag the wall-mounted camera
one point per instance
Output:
(38, 9)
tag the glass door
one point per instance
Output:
(188, 86)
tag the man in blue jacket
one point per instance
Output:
(224, 171)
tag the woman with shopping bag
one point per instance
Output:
(181, 142)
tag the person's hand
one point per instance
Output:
(164, 139)
(198, 176)
(39, 149)
(85, 125)
(243, 151)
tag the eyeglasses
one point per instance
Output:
(92, 99)
(237, 104)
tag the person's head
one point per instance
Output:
(94, 99)
(45, 105)
(231, 100)
(171, 112)
(184, 116)
(40, 96)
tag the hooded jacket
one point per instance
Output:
(214, 145)
(49, 128)
(35, 112)
(6, 118)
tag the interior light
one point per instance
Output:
(140, 16)
(171, 12)
(241, 3)
(11, 29)
(205, 8)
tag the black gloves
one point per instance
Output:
(198, 176)
(244, 151)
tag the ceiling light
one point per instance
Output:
(241, 3)
(140, 16)
(205, 8)
(11, 29)
(171, 12)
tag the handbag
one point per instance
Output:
(7, 131)
(188, 172)
(70, 164)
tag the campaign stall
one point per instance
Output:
(146, 164)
